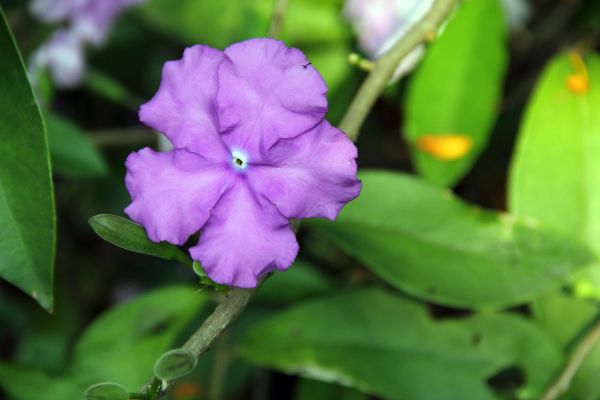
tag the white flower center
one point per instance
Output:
(239, 159)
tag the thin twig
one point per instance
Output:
(581, 351)
(277, 18)
(385, 66)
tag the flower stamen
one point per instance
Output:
(239, 159)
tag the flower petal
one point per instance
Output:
(267, 91)
(245, 238)
(184, 106)
(312, 175)
(173, 192)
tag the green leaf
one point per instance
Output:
(430, 244)
(456, 89)
(72, 152)
(389, 346)
(130, 236)
(121, 345)
(216, 24)
(27, 383)
(319, 22)
(106, 391)
(124, 344)
(27, 220)
(175, 364)
(555, 178)
(555, 172)
(300, 281)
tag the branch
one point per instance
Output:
(385, 66)
(215, 324)
(583, 349)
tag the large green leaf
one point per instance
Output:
(27, 225)
(390, 346)
(72, 152)
(555, 177)
(456, 90)
(300, 281)
(120, 346)
(427, 242)
(555, 173)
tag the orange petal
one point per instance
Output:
(577, 84)
(446, 147)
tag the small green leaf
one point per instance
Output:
(106, 391)
(456, 90)
(72, 153)
(27, 219)
(175, 364)
(427, 242)
(206, 281)
(130, 236)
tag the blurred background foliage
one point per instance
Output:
(467, 269)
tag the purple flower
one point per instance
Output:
(251, 150)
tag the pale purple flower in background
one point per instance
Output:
(381, 23)
(63, 56)
(251, 150)
(94, 21)
(88, 23)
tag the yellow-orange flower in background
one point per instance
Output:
(445, 147)
(578, 82)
